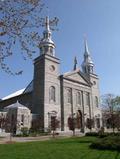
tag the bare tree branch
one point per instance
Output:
(18, 23)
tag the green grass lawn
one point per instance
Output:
(72, 148)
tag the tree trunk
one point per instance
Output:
(53, 134)
(74, 132)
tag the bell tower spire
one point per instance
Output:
(46, 83)
(47, 23)
(75, 63)
(86, 47)
(46, 45)
(87, 65)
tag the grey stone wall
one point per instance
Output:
(95, 92)
(38, 88)
(67, 108)
(88, 109)
(46, 74)
(51, 79)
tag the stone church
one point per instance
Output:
(50, 95)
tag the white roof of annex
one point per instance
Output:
(16, 105)
(17, 93)
(28, 89)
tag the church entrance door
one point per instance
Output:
(79, 120)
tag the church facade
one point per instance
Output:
(72, 95)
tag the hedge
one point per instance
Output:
(107, 143)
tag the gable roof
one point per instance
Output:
(77, 76)
(15, 106)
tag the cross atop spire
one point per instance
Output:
(47, 23)
(86, 47)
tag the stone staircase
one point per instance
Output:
(70, 133)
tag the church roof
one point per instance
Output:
(83, 79)
(71, 72)
(15, 106)
(28, 89)
(17, 93)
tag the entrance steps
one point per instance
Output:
(70, 133)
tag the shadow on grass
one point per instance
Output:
(71, 142)
(117, 156)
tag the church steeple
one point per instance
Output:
(86, 48)
(47, 23)
(87, 65)
(47, 46)
(75, 64)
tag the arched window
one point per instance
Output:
(89, 123)
(87, 99)
(78, 98)
(46, 49)
(98, 122)
(96, 101)
(52, 93)
(108, 123)
(69, 96)
(51, 51)
(12, 118)
(22, 119)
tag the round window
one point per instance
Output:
(52, 68)
(94, 82)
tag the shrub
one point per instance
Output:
(92, 134)
(39, 132)
(25, 131)
(107, 143)
(102, 135)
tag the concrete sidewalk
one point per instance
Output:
(6, 138)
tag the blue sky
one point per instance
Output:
(99, 20)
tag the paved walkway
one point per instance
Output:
(24, 139)
(6, 139)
